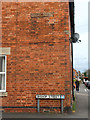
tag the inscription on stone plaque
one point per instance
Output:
(45, 14)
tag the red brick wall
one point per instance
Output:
(39, 62)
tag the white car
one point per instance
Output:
(84, 81)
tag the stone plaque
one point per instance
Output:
(45, 14)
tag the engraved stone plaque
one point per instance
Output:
(45, 14)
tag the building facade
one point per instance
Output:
(35, 55)
(75, 74)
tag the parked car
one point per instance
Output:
(88, 84)
(86, 78)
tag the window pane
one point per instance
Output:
(2, 82)
(2, 63)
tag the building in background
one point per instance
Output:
(36, 55)
(75, 74)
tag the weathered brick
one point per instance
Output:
(39, 63)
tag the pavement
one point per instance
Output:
(81, 108)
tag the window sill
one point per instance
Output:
(3, 94)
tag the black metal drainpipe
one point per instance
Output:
(71, 6)
(72, 75)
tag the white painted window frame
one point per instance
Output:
(4, 72)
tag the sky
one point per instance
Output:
(80, 50)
